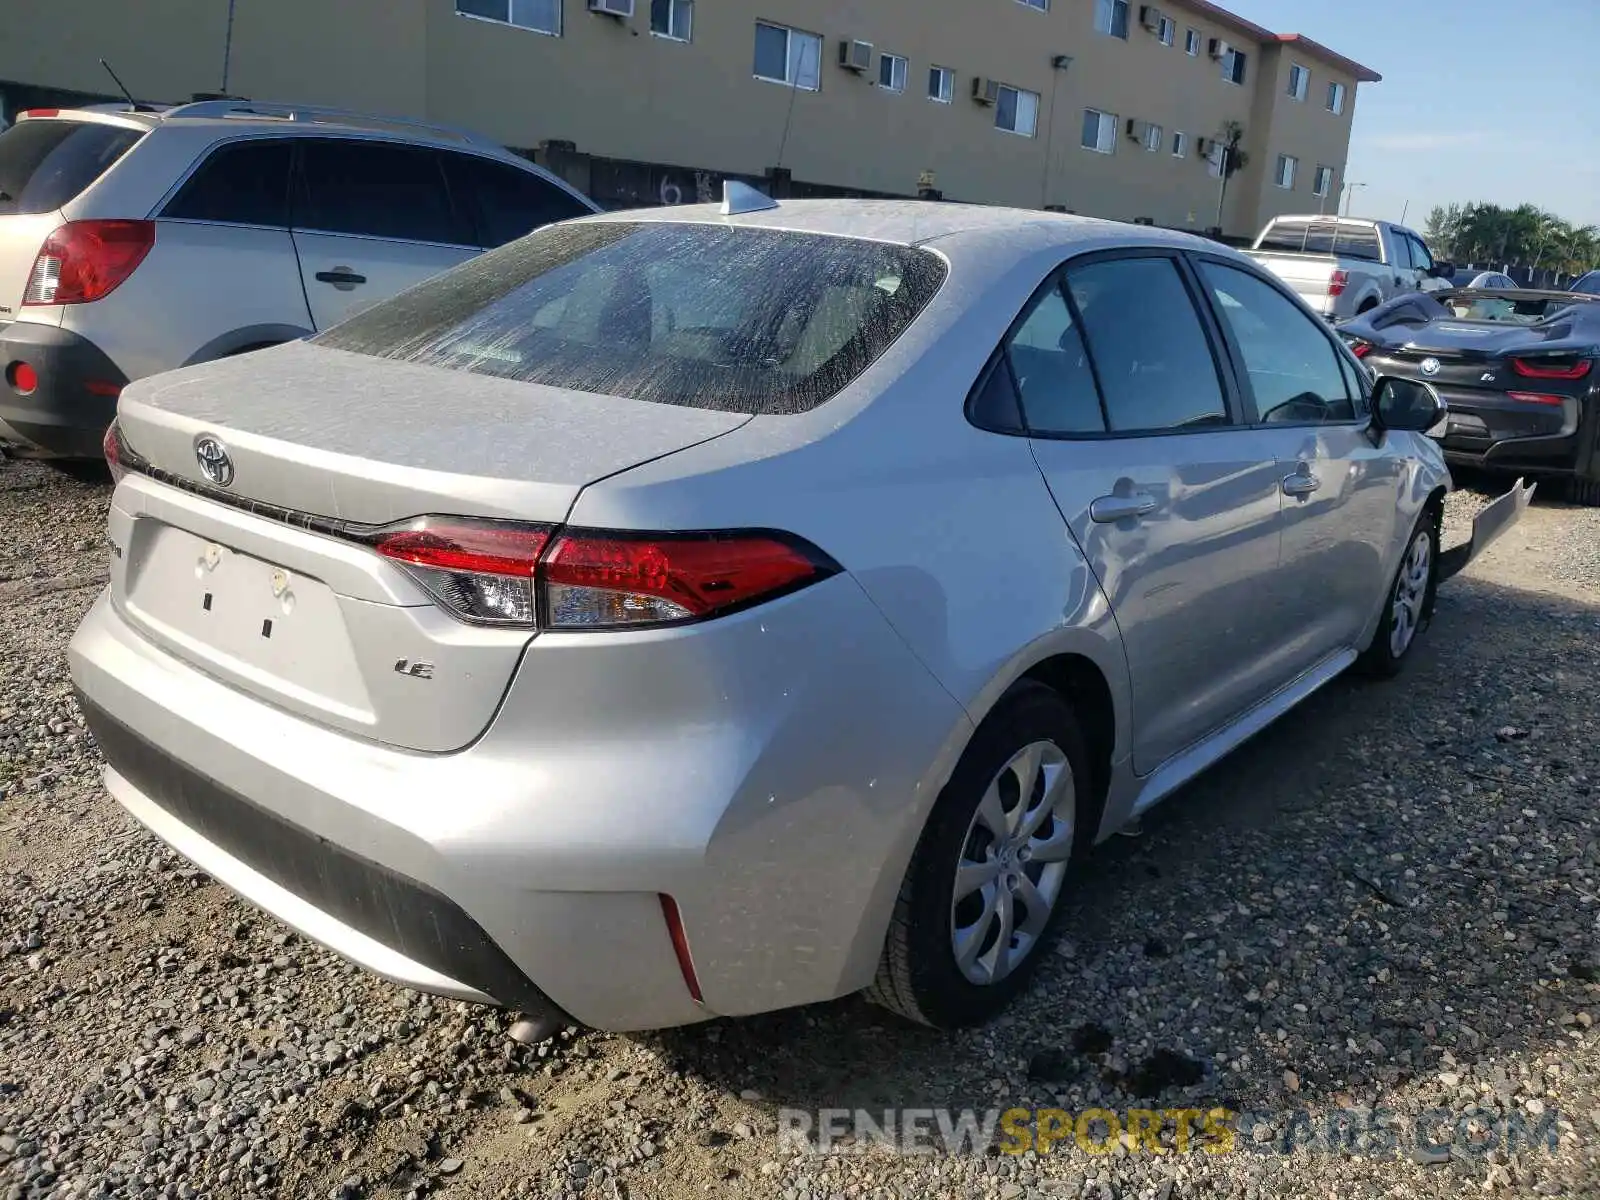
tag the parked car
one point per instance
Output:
(1517, 369)
(1493, 279)
(135, 242)
(1588, 284)
(801, 588)
(1343, 266)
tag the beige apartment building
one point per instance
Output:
(1103, 107)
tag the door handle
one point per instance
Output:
(1107, 509)
(342, 278)
(1301, 483)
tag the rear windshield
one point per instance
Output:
(46, 163)
(1323, 237)
(734, 319)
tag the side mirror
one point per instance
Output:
(1406, 404)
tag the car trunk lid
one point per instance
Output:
(259, 575)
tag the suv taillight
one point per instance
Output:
(83, 261)
(1337, 282)
(505, 573)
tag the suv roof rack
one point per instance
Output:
(248, 109)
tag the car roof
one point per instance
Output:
(230, 117)
(917, 222)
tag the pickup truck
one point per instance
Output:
(1343, 266)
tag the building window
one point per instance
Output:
(788, 56)
(1288, 164)
(541, 16)
(1154, 137)
(1233, 65)
(1299, 81)
(1180, 144)
(1167, 31)
(1322, 182)
(1041, 5)
(1191, 43)
(892, 73)
(941, 84)
(1111, 16)
(672, 19)
(1099, 131)
(1336, 98)
(1017, 111)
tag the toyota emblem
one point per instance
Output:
(213, 458)
(1430, 366)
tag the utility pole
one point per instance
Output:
(1350, 194)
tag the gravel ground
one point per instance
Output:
(1386, 902)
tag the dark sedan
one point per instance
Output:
(1517, 367)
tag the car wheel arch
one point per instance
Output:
(241, 341)
(1079, 681)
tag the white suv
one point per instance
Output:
(132, 242)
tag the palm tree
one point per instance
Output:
(1233, 160)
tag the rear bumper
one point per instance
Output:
(775, 798)
(396, 926)
(76, 397)
(1493, 431)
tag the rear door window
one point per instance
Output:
(241, 183)
(1149, 349)
(379, 190)
(45, 163)
(1051, 367)
(506, 203)
(734, 319)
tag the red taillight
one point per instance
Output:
(1536, 398)
(479, 570)
(1337, 282)
(1361, 349)
(22, 377)
(102, 387)
(111, 446)
(84, 261)
(38, 112)
(1555, 368)
(503, 573)
(617, 580)
(680, 945)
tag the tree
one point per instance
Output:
(1232, 160)
(1444, 228)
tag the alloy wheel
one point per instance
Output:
(1410, 593)
(1013, 862)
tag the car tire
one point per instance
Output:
(1408, 604)
(1031, 740)
(1583, 491)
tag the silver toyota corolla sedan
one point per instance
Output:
(703, 611)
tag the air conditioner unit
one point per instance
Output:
(1219, 48)
(986, 91)
(1144, 220)
(1206, 146)
(1137, 129)
(854, 55)
(612, 8)
(1150, 17)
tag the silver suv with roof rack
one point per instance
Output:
(134, 240)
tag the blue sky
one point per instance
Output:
(1480, 99)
